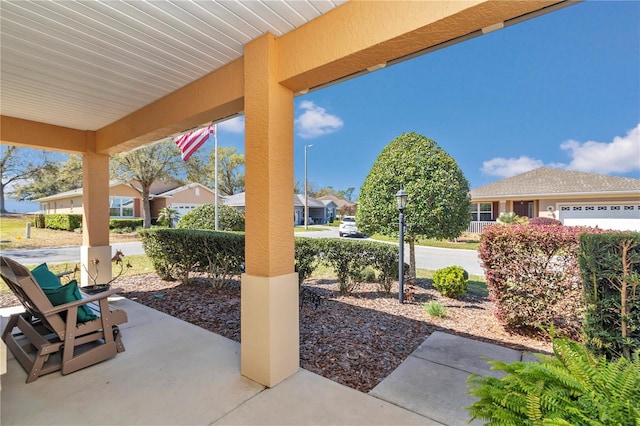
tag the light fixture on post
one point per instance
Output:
(306, 195)
(401, 200)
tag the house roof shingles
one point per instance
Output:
(548, 181)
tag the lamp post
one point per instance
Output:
(306, 195)
(401, 200)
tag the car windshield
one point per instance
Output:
(349, 219)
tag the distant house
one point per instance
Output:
(343, 207)
(574, 198)
(320, 212)
(125, 201)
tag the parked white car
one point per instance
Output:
(348, 227)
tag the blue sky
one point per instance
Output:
(561, 90)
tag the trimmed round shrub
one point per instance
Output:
(451, 281)
(203, 217)
(544, 221)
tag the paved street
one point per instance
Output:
(426, 257)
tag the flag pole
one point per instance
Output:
(215, 139)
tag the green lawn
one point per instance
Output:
(466, 243)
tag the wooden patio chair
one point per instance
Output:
(47, 338)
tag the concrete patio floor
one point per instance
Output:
(175, 373)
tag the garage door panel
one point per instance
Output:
(611, 216)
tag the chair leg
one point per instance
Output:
(118, 339)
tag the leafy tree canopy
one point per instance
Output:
(438, 192)
(51, 178)
(201, 169)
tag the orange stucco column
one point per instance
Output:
(269, 311)
(95, 224)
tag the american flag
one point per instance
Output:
(190, 142)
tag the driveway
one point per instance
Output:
(431, 258)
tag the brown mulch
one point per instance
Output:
(356, 340)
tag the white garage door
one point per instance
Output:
(605, 216)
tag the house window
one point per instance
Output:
(602, 207)
(120, 207)
(481, 212)
(628, 207)
(197, 192)
(615, 207)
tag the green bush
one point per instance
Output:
(610, 267)
(533, 276)
(574, 387)
(66, 222)
(122, 224)
(176, 253)
(203, 217)
(350, 258)
(306, 257)
(451, 281)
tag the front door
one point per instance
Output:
(523, 208)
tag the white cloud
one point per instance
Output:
(507, 167)
(233, 125)
(316, 121)
(622, 155)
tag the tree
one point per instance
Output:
(15, 166)
(168, 216)
(438, 201)
(201, 169)
(51, 178)
(142, 167)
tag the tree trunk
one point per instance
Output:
(146, 208)
(411, 239)
(2, 207)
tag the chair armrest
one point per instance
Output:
(83, 301)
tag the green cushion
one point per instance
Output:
(44, 277)
(69, 293)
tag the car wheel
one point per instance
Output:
(341, 234)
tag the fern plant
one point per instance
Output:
(574, 387)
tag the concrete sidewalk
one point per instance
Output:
(175, 373)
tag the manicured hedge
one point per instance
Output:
(610, 266)
(132, 223)
(533, 276)
(66, 222)
(177, 253)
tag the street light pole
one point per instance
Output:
(306, 195)
(401, 199)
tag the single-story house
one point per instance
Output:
(574, 198)
(320, 212)
(344, 207)
(125, 201)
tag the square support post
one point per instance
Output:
(270, 348)
(95, 220)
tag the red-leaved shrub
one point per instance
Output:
(533, 276)
(544, 221)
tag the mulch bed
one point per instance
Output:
(356, 340)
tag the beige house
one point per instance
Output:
(125, 201)
(574, 198)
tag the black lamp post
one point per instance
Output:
(401, 199)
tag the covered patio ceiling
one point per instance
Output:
(103, 65)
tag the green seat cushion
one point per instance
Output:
(44, 277)
(69, 293)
